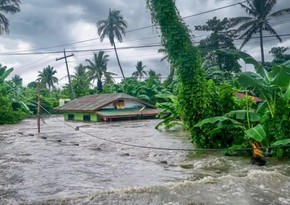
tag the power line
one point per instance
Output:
(109, 49)
(79, 51)
(193, 15)
(205, 12)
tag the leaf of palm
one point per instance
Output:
(269, 28)
(251, 10)
(10, 9)
(118, 34)
(4, 24)
(248, 35)
(280, 13)
(238, 20)
(269, 6)
(247, 25)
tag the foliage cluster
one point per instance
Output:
(11, 108)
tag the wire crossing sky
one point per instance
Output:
(36, 38)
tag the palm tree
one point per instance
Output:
(16, 88)
(153, 74)
(8, 7)
(81, 81)
(113, 26)
(140, 72)
(258, 20)
(97, 68)
(47, 78)
(17, 80)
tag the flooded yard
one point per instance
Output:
(91, 163)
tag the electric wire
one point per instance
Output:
(109, 49)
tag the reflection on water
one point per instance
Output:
(65, 166)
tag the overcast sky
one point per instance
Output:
(55, 25)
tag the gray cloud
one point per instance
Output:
(56, 22)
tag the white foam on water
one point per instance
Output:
(38, 171)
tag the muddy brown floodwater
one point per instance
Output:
(63, 165)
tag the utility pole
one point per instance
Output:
(38, 106)
(69, 80)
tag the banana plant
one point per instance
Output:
(4, 72)
(169, 113)
(273, 87)
(269, 85)
(245, 120)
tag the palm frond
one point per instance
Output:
(238, 20)
(270, 29)
(249, 9)
(246, 26)
(269, 6)
(280, 13)
(248, 35)
(10, 9)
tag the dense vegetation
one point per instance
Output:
(206, 93)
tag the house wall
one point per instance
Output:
(80, 116)
(128, 104)
(132, 104)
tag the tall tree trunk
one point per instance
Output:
(262, 46)
(99, 85)
(118, 60)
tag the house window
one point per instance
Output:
(120, 104)
(87, 118)
(71, 117)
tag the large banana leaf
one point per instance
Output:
(281, 142)
(250, 79)
(242, 115)
(248, 59)
(213, 120)
(280, 76)
(257, 133)
(4, 73)
(287, 63)
(254, 80)
(287, 93)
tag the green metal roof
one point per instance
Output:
(128, 112)
(93, 103)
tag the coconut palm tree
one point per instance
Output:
(80, 81)
(98, 68)
(17, 80)
(47, 78)
(140, 72)
(8, 7)
(113, 27)
(260, 14)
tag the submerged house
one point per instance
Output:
(107, 107)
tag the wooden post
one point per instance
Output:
(38, 106)
(72, 96)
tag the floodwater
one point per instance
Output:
(63, 165)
